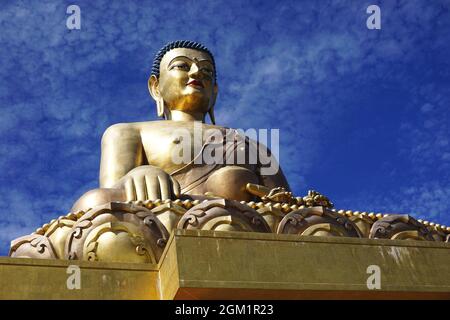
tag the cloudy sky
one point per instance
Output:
(363, 114)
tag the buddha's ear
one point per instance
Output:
(153, 88)
(212, 103)
(153, 83)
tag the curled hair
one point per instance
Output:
(180, 44)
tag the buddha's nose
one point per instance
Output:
(194, 72)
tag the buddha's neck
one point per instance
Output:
(177, 115)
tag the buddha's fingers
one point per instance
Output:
(130, 190)
(141, 188)
(257, 190)
(175, 187)
(164, 186)
(152, 184)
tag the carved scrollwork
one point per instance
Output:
(400, 227)
(273, 215)
(223, 215)
(169, 214)
(363, 223)
(117, 232)
(57, 234)
(318, 221)
(32, 246)
(139, 231)
(437, 235)
(117, 242)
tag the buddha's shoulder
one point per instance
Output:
(120, 126)
(122, 129)
(136, 128)
(168, 124)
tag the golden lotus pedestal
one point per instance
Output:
(200, 264)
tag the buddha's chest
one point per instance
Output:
(171, 148)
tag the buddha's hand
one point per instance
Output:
(149, 183)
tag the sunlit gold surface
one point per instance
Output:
(244, 265)
(136, 159)
(145, 195)
(38, 279)
(138, 231)
(178, 67)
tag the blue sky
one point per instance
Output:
(363, 114)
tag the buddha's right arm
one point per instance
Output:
(122, 151)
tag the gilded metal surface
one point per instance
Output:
(400, 227)
(144, 195)
(245, 265)
(137, 231)
(238, 265)
(47, 280)
(318, 221)
(281, 195)
(223, 215)
(136, 158)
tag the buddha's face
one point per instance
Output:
(186, 81)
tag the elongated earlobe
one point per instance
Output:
(161, 109)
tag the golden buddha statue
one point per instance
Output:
(182, 173)
(137, 158)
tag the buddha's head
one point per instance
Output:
(184, 78)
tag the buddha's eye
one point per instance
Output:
(180, 66)
(208, 71)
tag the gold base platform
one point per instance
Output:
(245, 265)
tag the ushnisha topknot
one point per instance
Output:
(180, 44)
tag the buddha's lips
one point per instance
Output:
(195, 83)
